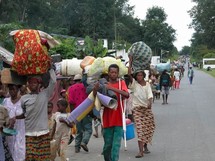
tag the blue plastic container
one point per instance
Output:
(130, 134)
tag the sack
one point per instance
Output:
(88, 60)
(96, 68)
(123, 70)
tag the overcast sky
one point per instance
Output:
(177, 16)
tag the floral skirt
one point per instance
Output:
(38, 147)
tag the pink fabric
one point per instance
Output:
(56, 95)
(77, 94)
(177, 83)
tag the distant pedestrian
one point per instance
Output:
(182, 71)
(190, 74)
(172, 84)
(164, 86)
(142, 112)
(177, 76)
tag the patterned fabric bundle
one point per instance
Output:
(30, 56)
(141, 56)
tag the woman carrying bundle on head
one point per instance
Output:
(141, 109)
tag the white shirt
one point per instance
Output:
(177, 75)
(141, 94)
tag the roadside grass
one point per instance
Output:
(211, 72)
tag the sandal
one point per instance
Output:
(95, 135)
(146, 151)
(139, 155)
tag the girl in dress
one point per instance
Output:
(16, 143)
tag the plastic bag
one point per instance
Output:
(96, 67)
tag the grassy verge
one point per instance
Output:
(212, 72)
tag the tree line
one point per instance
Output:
(203, 22)
(89, 19)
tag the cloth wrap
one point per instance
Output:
(30, 56)
(141, 56)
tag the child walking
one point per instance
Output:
(16, 143)
(62, 132)
(5, 121)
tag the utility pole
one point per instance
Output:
(163, 52)
(115, 35)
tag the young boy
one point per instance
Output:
(62, 132)
(112, 119)
(51, 121)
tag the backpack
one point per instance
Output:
(191, 73)
(165, 80)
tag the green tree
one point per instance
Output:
(203, 21)
(72, 48)
(110, 19)
(185, 50)
(6, 40)
(156, 32)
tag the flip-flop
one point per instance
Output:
(95, 135)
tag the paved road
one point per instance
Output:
(185, 128)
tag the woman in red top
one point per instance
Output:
(112, 119)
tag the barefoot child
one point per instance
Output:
(62, 132)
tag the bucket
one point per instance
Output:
(130, 131)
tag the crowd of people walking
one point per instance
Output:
(44, 132)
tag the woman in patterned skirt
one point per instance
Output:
(141, 109)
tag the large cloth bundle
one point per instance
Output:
(163, 66)
(141, 56)
(30, 56)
